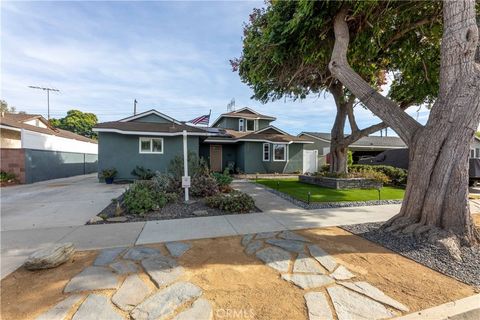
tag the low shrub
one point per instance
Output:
(164, 183)
(365, 173)
(397, 176)
(109, 173)
(7, 176)
(142, 173)
(223, 180)
(203, 186)
(236, 201)
(141, 198)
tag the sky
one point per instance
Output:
(171, 56)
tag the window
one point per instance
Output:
(151, 145)
(241, 125)
(250, 125)
(266, 152)
(279, 152)
(477, 153)
(474, 153)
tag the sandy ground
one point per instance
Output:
(241, 287)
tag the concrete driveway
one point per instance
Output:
(55, 203)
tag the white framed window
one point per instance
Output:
(266, 152)
(474, 153)
(150, 145)
(241, 124)
(250, 125)
(477, 153)
(279, 152)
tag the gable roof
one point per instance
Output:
(149, 112)
(148, 128)
(369, 141)
(270, 129)
(245, 113)
(232, 136)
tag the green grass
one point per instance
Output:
(300, 191)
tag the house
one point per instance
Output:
(35, 151)
(243, 141)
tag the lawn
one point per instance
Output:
(300, 191)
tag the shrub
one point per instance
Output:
(142, 173)
(163, 183)
(397, 176)
(204, 186)
(109, 173)
(235, 201)
(365, 173)
(349, 158)
(7, 176)
(141, 198)
(223, 179)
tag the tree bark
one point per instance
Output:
(436, 197)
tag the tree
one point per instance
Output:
(5, 108)
(287, 47)
(78, 122)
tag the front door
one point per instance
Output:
(216, 158)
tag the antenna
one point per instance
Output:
(135, 107)
(231, 105)
(48, 96)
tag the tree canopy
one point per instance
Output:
(78, 122)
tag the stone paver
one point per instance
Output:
(342, 273)
(96, 307)
(290, 245)
(107, 256)
(374, 293)
(351, 305)
(177, 249)
(308, 281)
(200, 310)
(253, 246)
(265, 235)
(93, 278)
(305, 264)
(133, 291)
(164, 303)
(124, 267)
(247, 238)
(317, 306)
(62, 309)
(162, 270)
(324, 258)
(275, 258)
(140, 253)
(289, 235)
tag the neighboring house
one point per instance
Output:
(34, 151)
(242, 140)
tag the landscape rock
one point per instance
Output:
(342, 273)
(96, 307)
(200, 212)
(50, 257)
(265, 235)
(177, 249)
(275, 258)
(124, 267)
(200, 310)
(253, 246)
(107, 256)
(140, 253)
(164, 303)
(324, 258)
(289, 235)
(317, 306)
(370, 291)
(95, 219)
(163, 270)
(118, 219)
(62, 309)
(131, 293)
(93, 278)
(290, 245)
(246, 239)
(305, 264)
(351, 305)
(308, 281)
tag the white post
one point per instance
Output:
(186, 184)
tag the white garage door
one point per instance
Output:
(310, 161)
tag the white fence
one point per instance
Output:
(40, 141)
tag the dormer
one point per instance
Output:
(243, 120)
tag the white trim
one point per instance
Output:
(140, 139)
(225, 115)
(274, 128)
(149, 112)
(246, 108)
(263, 151)
(10, 128)
(147, 133)
(255, 140)
(284, 151)
(242, 127)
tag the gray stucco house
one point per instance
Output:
(243, 140)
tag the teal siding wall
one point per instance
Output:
(253, 152)
(263, 123)
(152, 118)
(317, 145)
(121, 152)
(229, 153)
(228, 123)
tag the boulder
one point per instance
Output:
(50, 257)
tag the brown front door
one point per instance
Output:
(216, 158)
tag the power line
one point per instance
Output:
(48, 96)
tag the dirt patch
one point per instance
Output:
(476, 219)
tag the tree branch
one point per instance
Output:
(350, 114)
(407, 29)
(354, 136)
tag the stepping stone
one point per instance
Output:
(62, 309)
(317, 306)
(289, 235)
(370, 291)
(200, 310)
(253, 246)
(246, 239)
(342, 273)
(96, 307)
(164, 303)
(132, 292)
(140, 253)
(265, 235)
(275, 258)
(117, 219)
(124, 267)
(93, 278)
(324, 258)
(308, 281)
(305, 264)
(107, 256)
(290, 245)
(50, 257)
(162, 270)
(351, 305)
(177, 249)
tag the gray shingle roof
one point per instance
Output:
(378, 141)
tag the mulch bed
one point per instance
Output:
(427, 254)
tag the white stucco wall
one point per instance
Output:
(40, 141)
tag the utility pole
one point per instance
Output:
(135, 107)
(48, 97)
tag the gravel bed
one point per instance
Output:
(324, 205)
(427, 254)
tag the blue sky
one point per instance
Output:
(171, 56)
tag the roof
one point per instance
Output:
(377, 141)
(146, 113)
(147, 128)
(17, 121)
(233, 136)
(245, 113)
